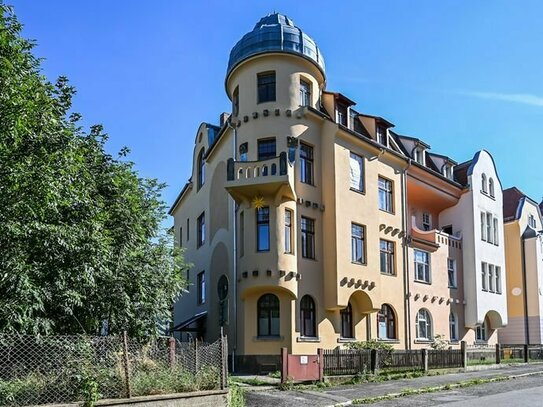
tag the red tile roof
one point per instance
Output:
(511, 199)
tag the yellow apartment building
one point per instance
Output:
(310, 224)
(524, 257)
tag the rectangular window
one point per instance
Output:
(235, 102)
(496, 239)
(498, 272)
(306, 164)
(531, 221)
(201, 229)
(491, 278)
(188, 229)
(357, 172)
(266, 149)
(308, 237)
(180, 237)
(483, 226)
(341, 113)
(263, 229)
(489, 233)
(385, 194)
(243, 150)
(382, 135)
(305, 93)
(187, 276)
(201, 288)
(484, 276)
(241, 233)
(288, 231)
(422, 266)
(426, 221)
(266, 87)
(386, 249)
(357, 243)
(451, 270)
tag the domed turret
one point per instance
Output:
(275, 33)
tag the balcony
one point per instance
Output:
(272, 177)
(432, 240)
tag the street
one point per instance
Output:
(525, 388)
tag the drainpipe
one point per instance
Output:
(407, 303)
(526, 322)
(235, 251)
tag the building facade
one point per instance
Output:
(310, 224)
(524, 257)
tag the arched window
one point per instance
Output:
(453, 327)
(481, 332)
(484, 186)
(201, 169)
(386, 323)
(307, 317)
(491, 187)
(424, 325)
(347, 322)
(268, 315)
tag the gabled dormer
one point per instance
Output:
(338, 107)
(413, 148)
(377, 128)
(443, 164)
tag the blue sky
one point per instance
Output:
(461, 75)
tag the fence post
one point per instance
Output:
(126, 364)
(464, 354)
(171, 351)
(425, 360)
(374, 361)
(498, 354)
(284, 365)
(320, 353)
(526, 355)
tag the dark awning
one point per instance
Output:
(183, 326)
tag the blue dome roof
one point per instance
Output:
(275, 33)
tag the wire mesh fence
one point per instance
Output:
(64, 369)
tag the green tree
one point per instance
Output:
(81, 240)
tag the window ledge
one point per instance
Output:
(346, 340)
(358, 191)
(308, 339)
(269, 338)
(385, 211)
(421, 340)
(423, 282)
(388, 274)
(454, 342)
(358, 263)
(386, 340)
(453, 286)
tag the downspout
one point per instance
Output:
(235, 252)
(524, 278)
(407, 303)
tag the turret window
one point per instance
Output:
(306, 164)
(268, 315)
(307, 230)
(266, 149)
(305, 93)
(263, 229)
(307, 317)
(266, 87)
(235, 102)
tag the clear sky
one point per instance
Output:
(460, 75)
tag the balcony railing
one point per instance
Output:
(240, 170)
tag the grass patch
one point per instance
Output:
(251, 381)
(425, 390)
(236, 395)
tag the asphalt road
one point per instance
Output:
(519, 391)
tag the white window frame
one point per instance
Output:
(426, 221)
(495, 228)
(489, 228)
(453, 327)
(483, 226)
(426, 267)
(484, 276)
(356, 164)
(491, 278)
(423, 315)
(498, 276)
(481, 332)
(451, 267)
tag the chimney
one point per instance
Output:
(223, 118)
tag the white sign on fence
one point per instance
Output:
(303, 360)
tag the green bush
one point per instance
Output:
(369, 345)
(236, 396)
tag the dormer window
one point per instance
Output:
(418, 155)
(341, 113)
(448, 171)
(382, 136)
(531, 221)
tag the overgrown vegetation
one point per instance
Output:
(236, 395)
(83, 249)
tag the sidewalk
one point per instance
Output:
(344, 394)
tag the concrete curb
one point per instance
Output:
(441, 388)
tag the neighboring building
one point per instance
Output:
(310, 224)
(524, 256)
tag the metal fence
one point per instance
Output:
(64, 369)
